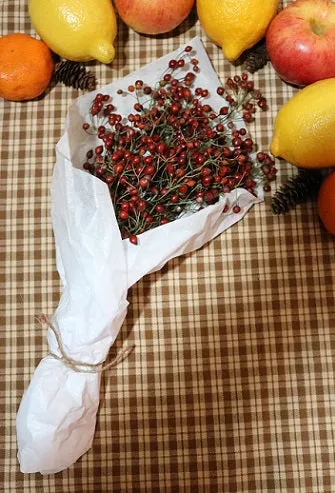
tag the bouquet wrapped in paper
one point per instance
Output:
(98, 258)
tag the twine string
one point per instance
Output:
(82, 366)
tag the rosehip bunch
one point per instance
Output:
(174, 153)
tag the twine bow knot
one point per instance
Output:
(82, 366)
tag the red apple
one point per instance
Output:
(153, 16)
(301, 42)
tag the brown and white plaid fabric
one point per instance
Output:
(231, 385)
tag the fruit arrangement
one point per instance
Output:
(153, 16)
(304, 127)
(78, 31)
(298, 41)
(26, 67)
(311, 57)
(236, 25)
(326, 203)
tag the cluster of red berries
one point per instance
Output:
(174, 153)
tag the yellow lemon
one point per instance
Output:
(304, 129)
(236, 25)
(78, 30)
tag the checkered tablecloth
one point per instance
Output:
(231, 385)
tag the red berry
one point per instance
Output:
(206, 171)
(262, 104)
(237, 142)
(149, 170)
(143, 183)
(209, 197)
(124, 214)
(119, 169)
(248, 143)
(224, 170)
(206, 181)
(170, 169)
(133, 239)
(247, 117)
(183, 189)
(141, 205)
(175, 108)
(161, 148)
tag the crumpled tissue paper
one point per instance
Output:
(57, 416)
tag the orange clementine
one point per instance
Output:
(26, 67)
(326, 203)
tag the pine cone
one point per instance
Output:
(299, 189)
(74, 74)
(257, 57)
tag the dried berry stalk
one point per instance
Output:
(174, 153)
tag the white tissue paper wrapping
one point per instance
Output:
(57, 416)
